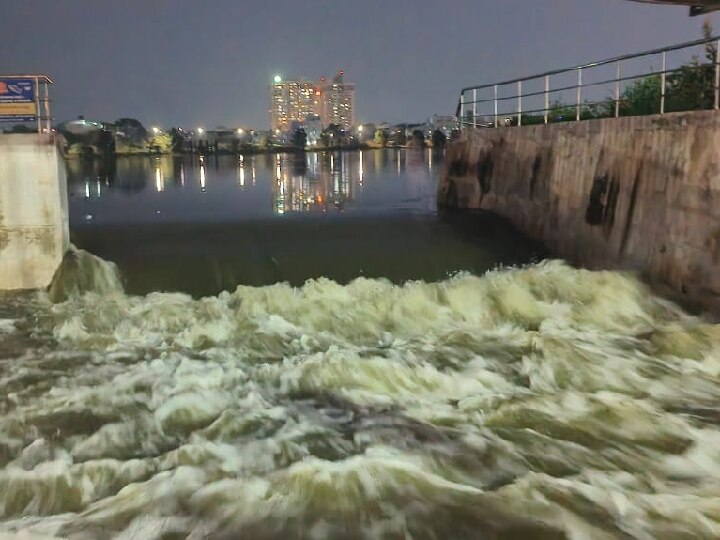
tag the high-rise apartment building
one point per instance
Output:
(293, 101)
(337, 101)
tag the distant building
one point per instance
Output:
(292, 101)
(337, 101)
(295, 101)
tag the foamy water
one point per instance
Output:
(542, 402)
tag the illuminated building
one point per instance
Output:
(337, 101)
(291, 101)
(298, 100)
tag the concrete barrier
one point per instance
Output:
(33, 210)
(638, 193)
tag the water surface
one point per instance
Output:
(422, 392)
(202, 225)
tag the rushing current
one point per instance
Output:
(532, 400)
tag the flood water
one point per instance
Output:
(301, 347)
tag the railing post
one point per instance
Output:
(547, 97)
(519, 104)
(662, 82)
(462, 109)
(474, 109)
(38, 112)
(579, 94)
(717, 75)
(617, 89)
(495, 89)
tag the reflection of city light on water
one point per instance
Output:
(202, 176)
(182, 175)
(159, 184)
(360, 168)
(280, 206)
(241, 171)
(97, 185)
(87, 189)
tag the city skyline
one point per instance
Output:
(210, 65)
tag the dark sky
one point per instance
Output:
(209, 62)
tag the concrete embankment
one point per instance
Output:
(637, 193)
(33, 210)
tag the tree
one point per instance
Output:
(299, 138)
(439, 140)
(161, 143)
(332, 136)
(418, 137)
(692, 87)
(380, 138)
(641, 97)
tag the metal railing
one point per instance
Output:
(487, 105)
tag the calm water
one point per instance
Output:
(332, 359)
(207, 225)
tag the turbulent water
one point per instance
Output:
(535, 402)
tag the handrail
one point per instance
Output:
(579, 85)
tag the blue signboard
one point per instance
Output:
(17, 100)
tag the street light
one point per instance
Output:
(200, 131)
(156, 130)
(240, 131)
(277, 79)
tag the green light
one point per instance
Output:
(277, 79)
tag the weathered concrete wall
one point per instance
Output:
(640, 193)
(33, 210)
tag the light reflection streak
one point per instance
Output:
(159, 181)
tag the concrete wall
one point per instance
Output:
(640, 193)
(33, 210)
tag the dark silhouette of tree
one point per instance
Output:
(299, 138)
(332, 136)
(132, 129)
(439, 139)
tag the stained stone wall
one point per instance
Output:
(639, 193)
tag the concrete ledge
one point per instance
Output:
(639, 193)
(33, 210)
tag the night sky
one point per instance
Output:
(209, 62)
